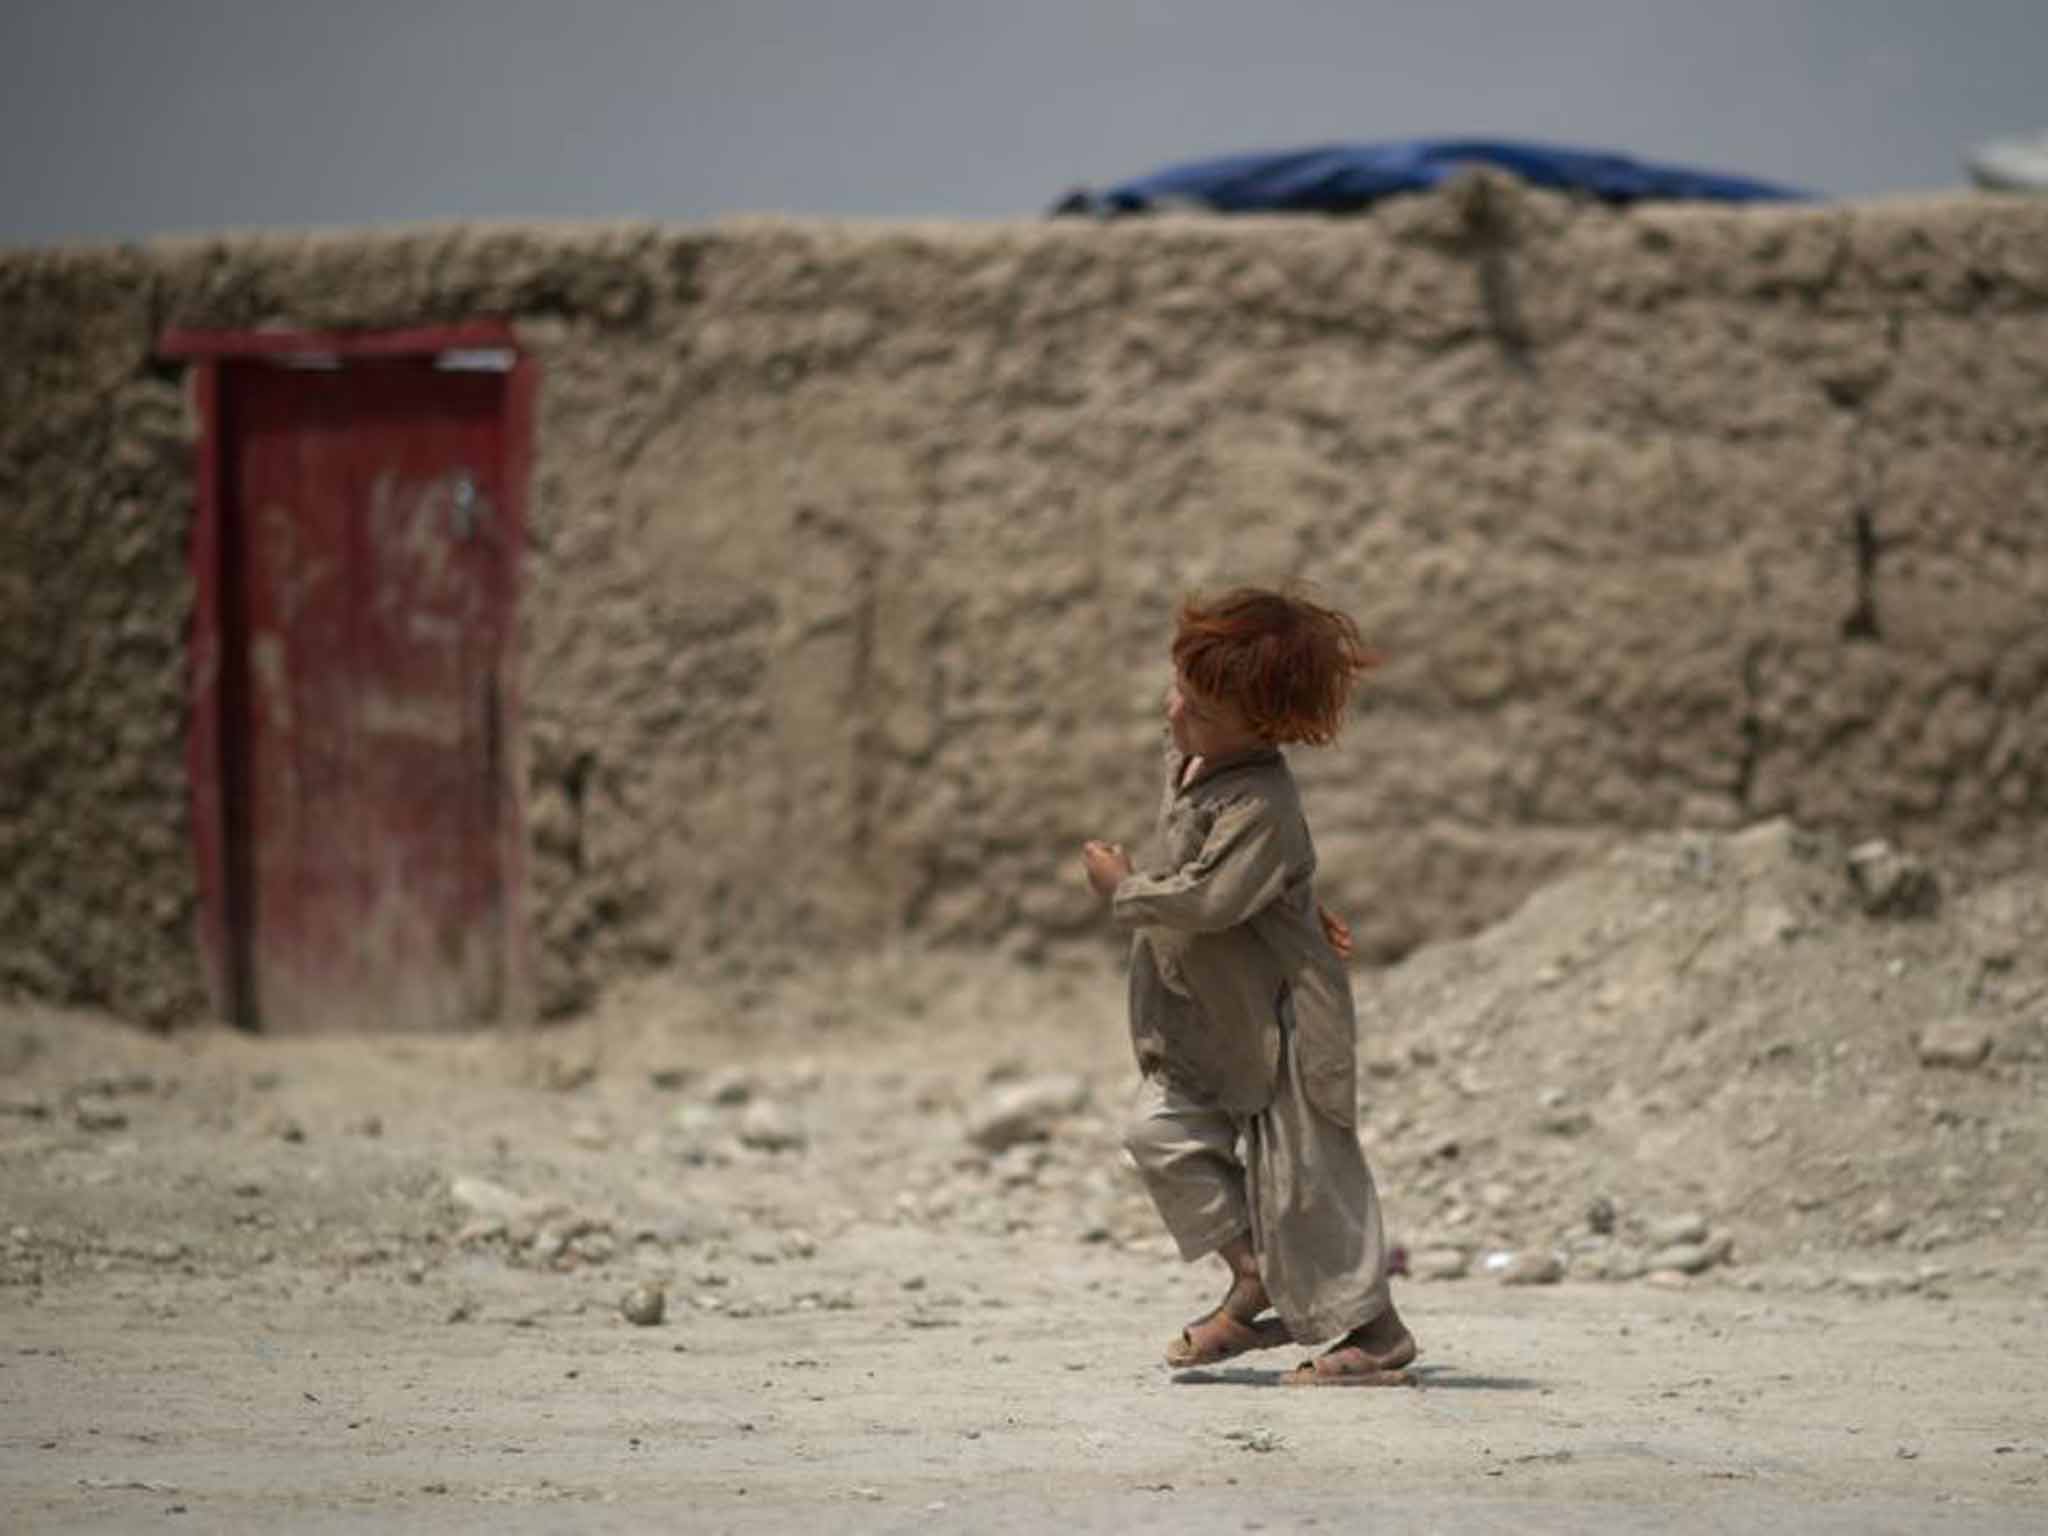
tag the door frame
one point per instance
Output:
(218, 660)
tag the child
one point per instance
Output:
(1241, 1013)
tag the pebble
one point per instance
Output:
(1882, 1223)
(1670, 1230)
(99, 1115)
(767, 1128)
(1681, 1258)
(1017, 1165)
(1532, 1268)
(1621, 1264)
(645, 1305)
(481, 1197)
(1439, 1264)
(1958, 1041)
(1889, 883)
(1024, 1111)
(729, 1086)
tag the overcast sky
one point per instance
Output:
(124, 119)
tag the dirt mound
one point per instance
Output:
(1799, 1042)
(1709, 1047)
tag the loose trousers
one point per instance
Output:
(1300, 1189)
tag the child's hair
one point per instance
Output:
(1285, 662)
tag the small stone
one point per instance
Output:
(99, 1115)
(1532, 1268)
(1025, 1111)
(1016, 1166)
(1261, 1440)
(1439, 1264)
(1621, 1264)
(1889, 883)
(565, 1074)
(1684, 1258)
(1600, 1215)
(798, 1244)
(1882, 1223)
(483, 1198)
(767, 1128)
(1771, 923)
(1959, 1041)
(645, 1305)
(591, 1135)
(1690, 1227)
(729, 1086)
(1668, 1279)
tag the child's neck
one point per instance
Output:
(1200, 765)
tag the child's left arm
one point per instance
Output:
(1243, 865)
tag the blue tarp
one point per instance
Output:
(1343, 178)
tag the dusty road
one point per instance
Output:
(376, 1285)
(313, 1404)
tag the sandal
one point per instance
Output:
(1348, 1365)
(1219, 1336)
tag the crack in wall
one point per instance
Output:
(1751, 725)
(1487, 235)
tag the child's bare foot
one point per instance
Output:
(1246, 1298)
(1373, 1355)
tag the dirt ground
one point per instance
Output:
(909, 1284)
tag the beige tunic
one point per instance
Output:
(1241, 1017)
(1229, 944)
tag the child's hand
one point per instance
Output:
(1107, 865)
(1336, 931)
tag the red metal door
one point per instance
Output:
(367, 606)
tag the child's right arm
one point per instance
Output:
(1244, 864)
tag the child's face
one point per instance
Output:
(1205, 727)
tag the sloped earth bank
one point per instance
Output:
(1778, 1129)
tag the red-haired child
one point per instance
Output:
(1246, 1129)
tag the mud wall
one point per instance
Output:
(854, 551)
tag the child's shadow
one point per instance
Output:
(1435, 1377)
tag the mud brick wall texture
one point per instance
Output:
(854, 551)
